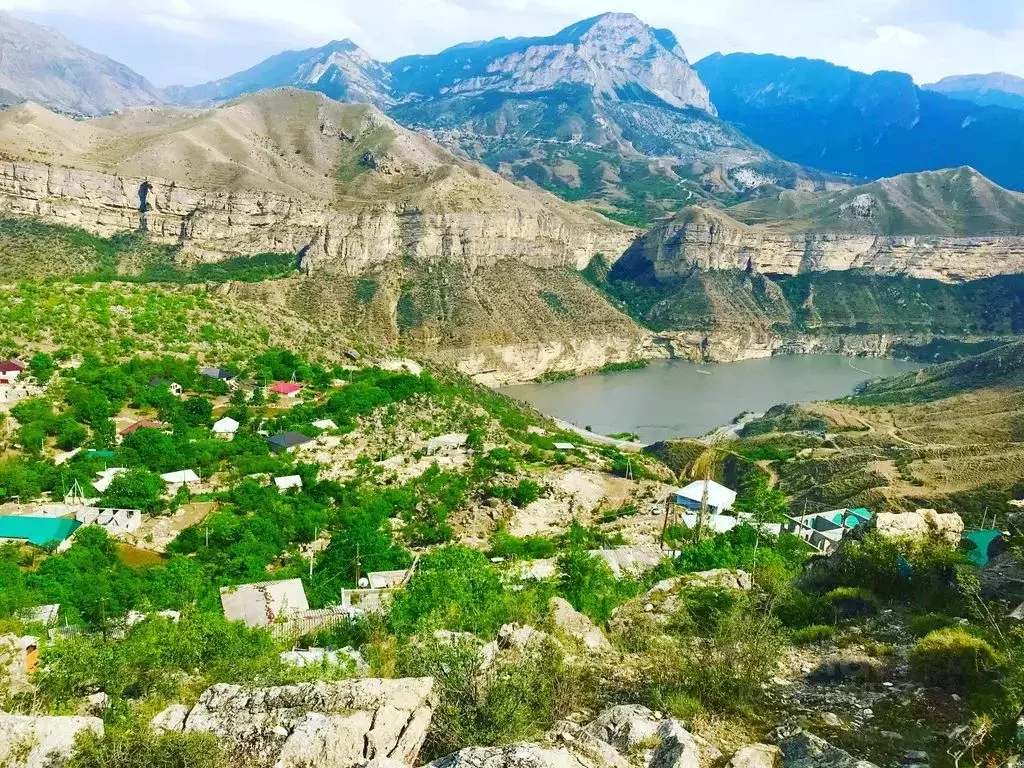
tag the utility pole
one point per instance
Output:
(316, 535)
(357, 566)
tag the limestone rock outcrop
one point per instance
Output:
(326, 724)
(578, 626)
(213, 225)
(924, 523)
(714, 241)
(41, 742)
(620, 737)
(805, 750)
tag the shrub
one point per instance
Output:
(456, 588)
(852, 603)
(797, 609)
(815, 633)
(138, 746)
(725, 672)
(590, 586)
(929, 622)
(705, 608)
(514, 700)
(952, 658)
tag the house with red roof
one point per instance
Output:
(286, 389)
(10, 370)
(142, 424)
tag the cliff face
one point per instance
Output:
(213, 225)
(712, 241)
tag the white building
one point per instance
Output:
(288, 482)
(226, 428)
(325, 424)
(720, 499)
(181, 478)
(106, 477)
(260, 605)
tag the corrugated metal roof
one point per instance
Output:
(37, 530)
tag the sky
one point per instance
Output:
(192, 41)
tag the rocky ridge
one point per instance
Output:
(711, 240)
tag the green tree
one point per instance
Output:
(136, 489)
(198, 411)
(42, 367)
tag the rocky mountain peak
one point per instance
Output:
(616, 55)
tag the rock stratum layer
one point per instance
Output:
(213, 225)
(285, 171)
(709, 240)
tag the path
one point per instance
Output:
(623, 445)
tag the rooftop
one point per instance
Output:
(288, 439)
(259, 605)
(719, 496)
(37, 530)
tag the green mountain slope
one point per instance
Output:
(954, 203)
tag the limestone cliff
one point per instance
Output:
(286, 171)
(711, 240)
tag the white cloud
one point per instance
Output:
(890, 35)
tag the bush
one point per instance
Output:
(930, 622)
(852, 603)
(952, 658)
(725, 672)
(514, 700)
(590, 586)
(139, 746)
(814, 634)
(456, 588)
(797, 609)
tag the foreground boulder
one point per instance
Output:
(323, 724)
(578, 626)
(757, 756)
(41, 742)
(925, 523)
(1003, 578)
(620, 737)
(805, 750)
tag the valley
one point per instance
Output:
(544, 402)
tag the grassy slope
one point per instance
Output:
(958, 202)
(949, 437)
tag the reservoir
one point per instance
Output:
(673, 398)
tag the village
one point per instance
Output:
(305, 505)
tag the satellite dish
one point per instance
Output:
(364, 583)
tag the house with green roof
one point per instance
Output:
(41, 531)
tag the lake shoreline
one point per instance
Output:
(673, 399)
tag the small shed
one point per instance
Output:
(720, 498)
(387, 579)
(287, 442)
(261, 604)
(567, 447)
(156, 382)
(226, 428)
(288, 482)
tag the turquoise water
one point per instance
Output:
(671, 399)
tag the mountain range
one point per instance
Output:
(608, 110)
(691, 217)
